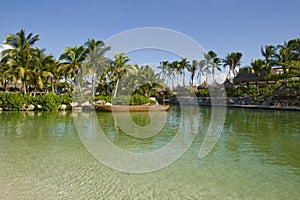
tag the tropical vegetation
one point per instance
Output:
(28, 70)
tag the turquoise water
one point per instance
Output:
(256, 157)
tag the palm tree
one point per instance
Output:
(269, 53)
(40, 72)
(182, 65)
(73, 59)
(201, 70)
(168, 72)
(214, 63)
(53, 67)
(258, 67)
(232, 61)
(207, 63)
(96, 62)
(20, 56)
(144, 81)
(193, 69)
(119, 68)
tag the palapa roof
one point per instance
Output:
(245, 76)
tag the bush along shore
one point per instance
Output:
(52, 102)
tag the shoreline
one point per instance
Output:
(238, 102)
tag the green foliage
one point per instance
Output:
(103, 98)
(202, 93)
(14, 101)
(125, 100)
(51, 102)
(17, 102)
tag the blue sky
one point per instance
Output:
(222, 26)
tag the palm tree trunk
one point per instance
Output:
(52, 85)
(183, 82)
(93, 85)
(117, 85)
(24, 86)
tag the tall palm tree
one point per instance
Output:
(258, 67)
(144, 81)
(214, 63)
(53, 67)
(193, 69)
(208, 63)
(202, 70)
(168, 71)
(119, 68)
(40, 70)
(20, 56)
(269, 54)
(96, 62)
(232, 60)
(73, 59)
(183, 65)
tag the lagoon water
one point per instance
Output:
(257, 156)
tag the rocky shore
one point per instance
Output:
(247, 102)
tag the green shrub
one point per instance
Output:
(131, 100)
(14, 101)
(103, 98)
(51, 102)
(202, 93)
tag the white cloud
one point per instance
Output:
(4, 47)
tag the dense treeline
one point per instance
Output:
(25, 68)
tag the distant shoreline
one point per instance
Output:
(238, 102)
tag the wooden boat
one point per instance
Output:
(124, 108)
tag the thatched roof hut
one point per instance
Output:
(245, 77)
(228, 84)
(203, 86)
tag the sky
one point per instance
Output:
(223, 26)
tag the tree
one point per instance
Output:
(258, 67)
(40, 73)
(182, 65)
(269, 54)
(96, 62)
(20, 56)
(214, 63)
(232, 61)
(143, 81)
(193, 69)
(201, 70)
(73, 59)
(119, 68)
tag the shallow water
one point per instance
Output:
(256, 157)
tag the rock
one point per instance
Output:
(86, 104)
(108, 104)
(77, 108)
(73, 104)
(1, 109)
(62, 107)
(243, 102)
(39, 107)
(100, 102)
(230, 101)
(30, 107)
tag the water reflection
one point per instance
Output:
(273, 136)
(256, 157)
